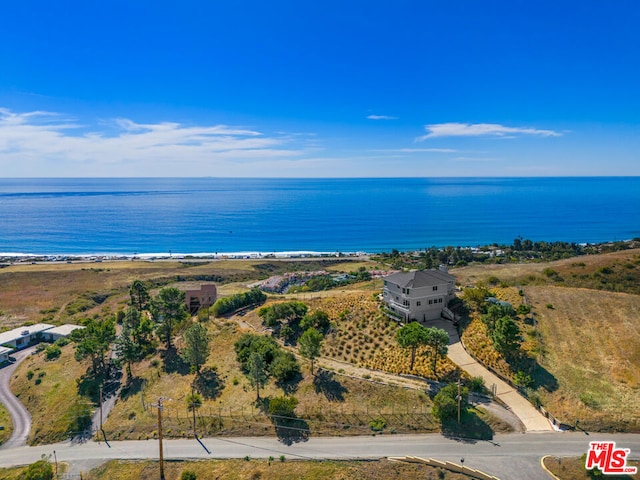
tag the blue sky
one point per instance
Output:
(319, 89)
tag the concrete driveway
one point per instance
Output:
(531, 418)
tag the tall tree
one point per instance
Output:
(194, 402)
(168, 311)
(196, 349)
(257, 373)
(139, 295)
(411, 336)
(127, 350)
(94, 342)
(438, 340)
(506, 336)
(310, 345)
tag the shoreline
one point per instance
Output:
(99, 257)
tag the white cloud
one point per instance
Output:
(381, 117)
(44, 143)
(455, 129)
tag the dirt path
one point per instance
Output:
(20, 416)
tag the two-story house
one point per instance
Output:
(420, 295)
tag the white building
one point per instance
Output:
(22, 337)
(420, 295)
(4, 354)
(63, 331)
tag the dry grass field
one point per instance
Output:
(329, 403)
(591, 344)
(274, 470)
(617, 271)
(5, 422)
(61, 292)
(363, 336)
(49, 391)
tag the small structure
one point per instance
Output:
(22, 337)
(63, 331)
(205, 297)
(4, 354)
(421, 295)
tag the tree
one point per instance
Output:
(168, 311)
(412, 335)
(139, 295)
(94, 342)
(438, 340)
(196, 349)
(310, 345)
(284, 367)
(445, 403)
(194, 402)
(257, 373)
(475, 297)
(506, 336)
(318, 320)
(127, 350)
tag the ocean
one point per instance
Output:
(156, 216)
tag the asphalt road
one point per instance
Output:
(20, 417)
(508, 456)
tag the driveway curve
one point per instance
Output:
(531, 418)
(20, 416)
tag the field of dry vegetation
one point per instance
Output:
(587, 339)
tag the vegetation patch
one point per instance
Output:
(268, 469)
(49, 390)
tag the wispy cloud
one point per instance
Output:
(481, 129)
(34, 143)
(381, 117)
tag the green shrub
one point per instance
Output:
(30, 374)
(40, 470)
(188, 475)
(52, 352)
(378, 424)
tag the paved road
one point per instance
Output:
(531, 418)
(20, 417)
(509, 456)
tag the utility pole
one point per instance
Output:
(159, 407)
(55, 457)
(459, 400)
(101, 408)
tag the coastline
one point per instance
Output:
(99, 257)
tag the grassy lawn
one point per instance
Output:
(600, 333)
(51, 395)
(274, 470)
(572, 468)
(5, 421)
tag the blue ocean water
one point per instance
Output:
(209, 215)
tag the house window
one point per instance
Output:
(408, 290)
(435, 287)
(418, 304)
(439, 300)
(430, 302)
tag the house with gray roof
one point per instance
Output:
(421, 295)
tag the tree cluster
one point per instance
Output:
(236, 302)
(284, 318)
(260, 357)
(413, 335)
(502, 329)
